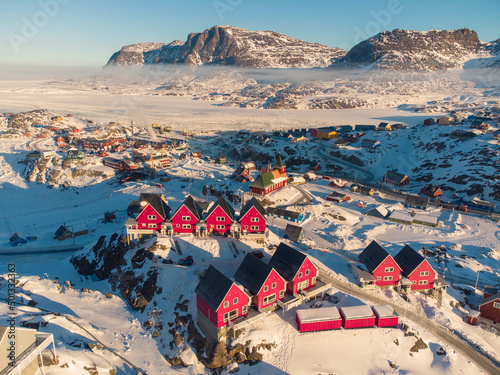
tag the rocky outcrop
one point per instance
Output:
(412, 50)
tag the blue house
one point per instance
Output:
(296, 217)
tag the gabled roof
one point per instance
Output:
(408, 260)
(394, 176)
(62, 229)
(264, 180)
(489, 299)
(222, 203)
(416, 200)
(293, 232)
(192, 206)
(252, 273)
(279, 162)
(287, 261)
(158, 204)
(282, 212)
(213, 287)
(379, 211)
(253, 203)
(373, 256)
(326, 129)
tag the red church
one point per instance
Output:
(270, 180)
(381, 265)
(219, 300)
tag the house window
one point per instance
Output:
(273, 286)
(422, 282)
(226, 304)
(151, 217)
(143, 224)
(235, 301)
(496, 305)
(177, 225)
(379, 278)
(186, 226)
(424, 273)
(387, 278)
(300, 275)
(269, 299)
(246, 226)
(313, 280)
(254, 227)
(414, 282)
(220, 226)
(186, 218)
(307, 272)
(244, 309)
(220, 218)
(266, 288)
(254, 219)
(152, 226)
(389, 269)
(231, 315)
(282, 294)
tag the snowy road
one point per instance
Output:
(441, 333)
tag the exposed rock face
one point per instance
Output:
(413, 50)
(227, 45)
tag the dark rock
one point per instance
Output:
(419, 345)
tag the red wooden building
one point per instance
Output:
(385, 316)
(318, 319)
(219, 300)
(187, 216)
(149, 215)
(253, 217)
(262, 281)
(489, 307)
(381, 265)
(270, 180)
(431, 190)
(416, 268)
(295, 267)
(220, 217)
(357, 316)
(395, 178)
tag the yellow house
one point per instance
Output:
(57, 118)
(326, 133)
(445, 120)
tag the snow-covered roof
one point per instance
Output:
(399, 215)
(384, 311)
(426, 218)
(318, 315)
(353, 312)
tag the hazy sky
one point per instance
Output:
(87, 32)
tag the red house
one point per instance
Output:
(187, 216)
(490, 305)
(253, 217)
(395, 178)
(318, 319)
(262, 281)
(219, 300)
(357, 316)
(220, 217)
(432, 191)
(381, 265)
(385, 316)
(416, 268)
(295, 267)
(149, 215)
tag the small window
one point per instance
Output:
(222, 227)
(273, 286)
(282, 294)
(307, 272)
(246, 226)
(269, 299)
(254, 227)
(422, 282)
(151, 225)
(379, 278)
(186, 226)
(496, 305)
(389, 269)
(300, 275)
(143, 224)
(186, 218)
(177, 225)
(235, 301)
(266, 288)
(424, 273)
(414, 282)
(220, 218)
(387, 278)
(151, 217)
(226, 304)
(244, 309)
(254, 219)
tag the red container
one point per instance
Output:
(318, 319)
(385, 316)
(357, 316)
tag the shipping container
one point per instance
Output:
(357, 316)
(318, 319)
(385, 316)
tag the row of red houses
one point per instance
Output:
(150, 215)
(408, 269)
(257, 285)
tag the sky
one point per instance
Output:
(85, 33)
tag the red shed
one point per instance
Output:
(295, 267)
(318, 319)
(220, 217)
(416, 268)
(357, 316)
(186, 217)
(218, 300)
(253, 217)
(385, 316)
(261, 280)
(489, 307)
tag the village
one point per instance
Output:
(279, 207)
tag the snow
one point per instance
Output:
(383, 311)
(316, 315)
(355, 312)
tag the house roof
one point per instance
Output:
(287, 261)
(318, 315)
(213, 287)
(416, 200)
(489, 299)
(158, 204)
(252, 273)
(279, 162)
(222, 203)
(394, 176)
(408, 260)
(264, 180)
(192, 206)
(361, 311)
(283, 212)
(326, 129)
(253, 203)
(293, 232)
(373, 256)
(379, 211)
(62, 229)
(14, 237)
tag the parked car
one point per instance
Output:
(187, 261)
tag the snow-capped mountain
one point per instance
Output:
(413, 50)
(227, 45)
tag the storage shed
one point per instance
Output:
(385, 316)
(318, 319)
(357, 316)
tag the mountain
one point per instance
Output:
(228, 45)
(413, 50)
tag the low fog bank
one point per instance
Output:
(35, 73)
